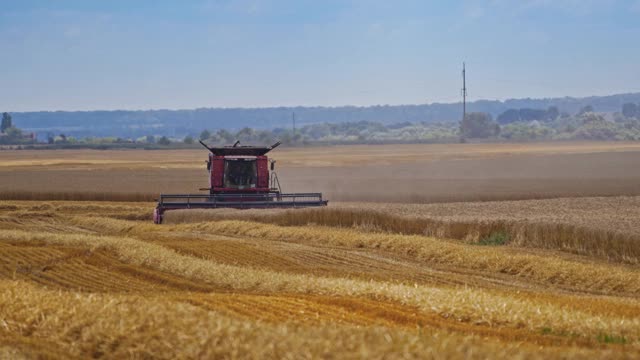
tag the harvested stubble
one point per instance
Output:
(183, 304)
(597, 278)
(469, 305)
(143, 327)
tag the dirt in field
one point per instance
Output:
(405, 173)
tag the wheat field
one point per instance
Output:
(94, 279)
(85, 273)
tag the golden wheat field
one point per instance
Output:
(527, 279)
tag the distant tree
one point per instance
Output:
(532, 114)
(164, 141)
(60, 139)
(552, 113)
(296, 138)
(317, 131)
(591, 117)
(478, 125)
(204, 135)
(619, 118)
(585, 109)
(6, 122)
(399, 125)
(630, 110)
(526, 114)
(150, 139)
(245, 134)
(525, 131)
(509, 116)
(266, 137)
(188, 139)
(14, 133)
(286, 138)
(225, 136)
(595, 127)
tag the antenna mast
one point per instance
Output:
(293, 118)
(464, 92)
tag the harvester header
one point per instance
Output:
(240, 150)
(240, 177)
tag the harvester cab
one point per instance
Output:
(240, 177)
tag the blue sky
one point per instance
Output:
(90, 54)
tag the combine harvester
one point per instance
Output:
(239, 178)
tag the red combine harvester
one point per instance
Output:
(239, 177)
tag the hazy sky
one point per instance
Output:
(135, 54)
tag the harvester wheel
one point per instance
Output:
(157, 216)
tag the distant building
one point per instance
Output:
(30, 137)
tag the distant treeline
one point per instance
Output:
(514, 125)
(528, 124)
(180, 123)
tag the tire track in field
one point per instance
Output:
(345, 262)
(370, 264)
(69, 268)
(314, 310)
(303, 259)
(52, 224)
(227, 251)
